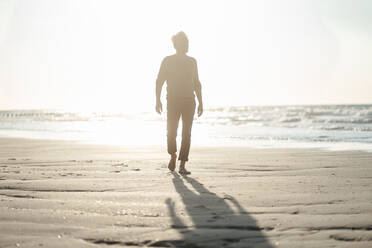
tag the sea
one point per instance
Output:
(329, 127)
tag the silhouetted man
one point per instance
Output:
(181, 73)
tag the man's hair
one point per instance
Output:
(180, 41)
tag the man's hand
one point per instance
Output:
(159, 107)
(200, 110)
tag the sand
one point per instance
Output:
(66, 194)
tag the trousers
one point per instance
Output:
(181, 107)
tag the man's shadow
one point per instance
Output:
(211, 220)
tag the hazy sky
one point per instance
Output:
(106, 54)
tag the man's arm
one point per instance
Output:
(159, 85)
(198, 91)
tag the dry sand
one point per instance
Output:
(65, 194)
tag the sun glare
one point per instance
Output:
(105, 55)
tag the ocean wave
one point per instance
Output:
(50, 116)
(352, 120)
(286, 120)
(345, 128)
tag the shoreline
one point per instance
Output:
(68, 194)
(321, 146)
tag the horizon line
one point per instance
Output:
(210, 107)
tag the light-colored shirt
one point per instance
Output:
(181, 74)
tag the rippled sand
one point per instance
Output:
(65, 194)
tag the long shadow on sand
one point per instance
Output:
(210, 220)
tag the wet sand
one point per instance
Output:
(66, 194)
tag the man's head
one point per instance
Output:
(180, 42)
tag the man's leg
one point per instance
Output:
(187, 119)
(173, 116)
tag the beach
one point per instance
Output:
(272, 97)
(70, 194)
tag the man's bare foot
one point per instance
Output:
(183, 170)
(172, 162)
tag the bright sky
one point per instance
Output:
(105, 55)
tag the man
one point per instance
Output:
(181, 73)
